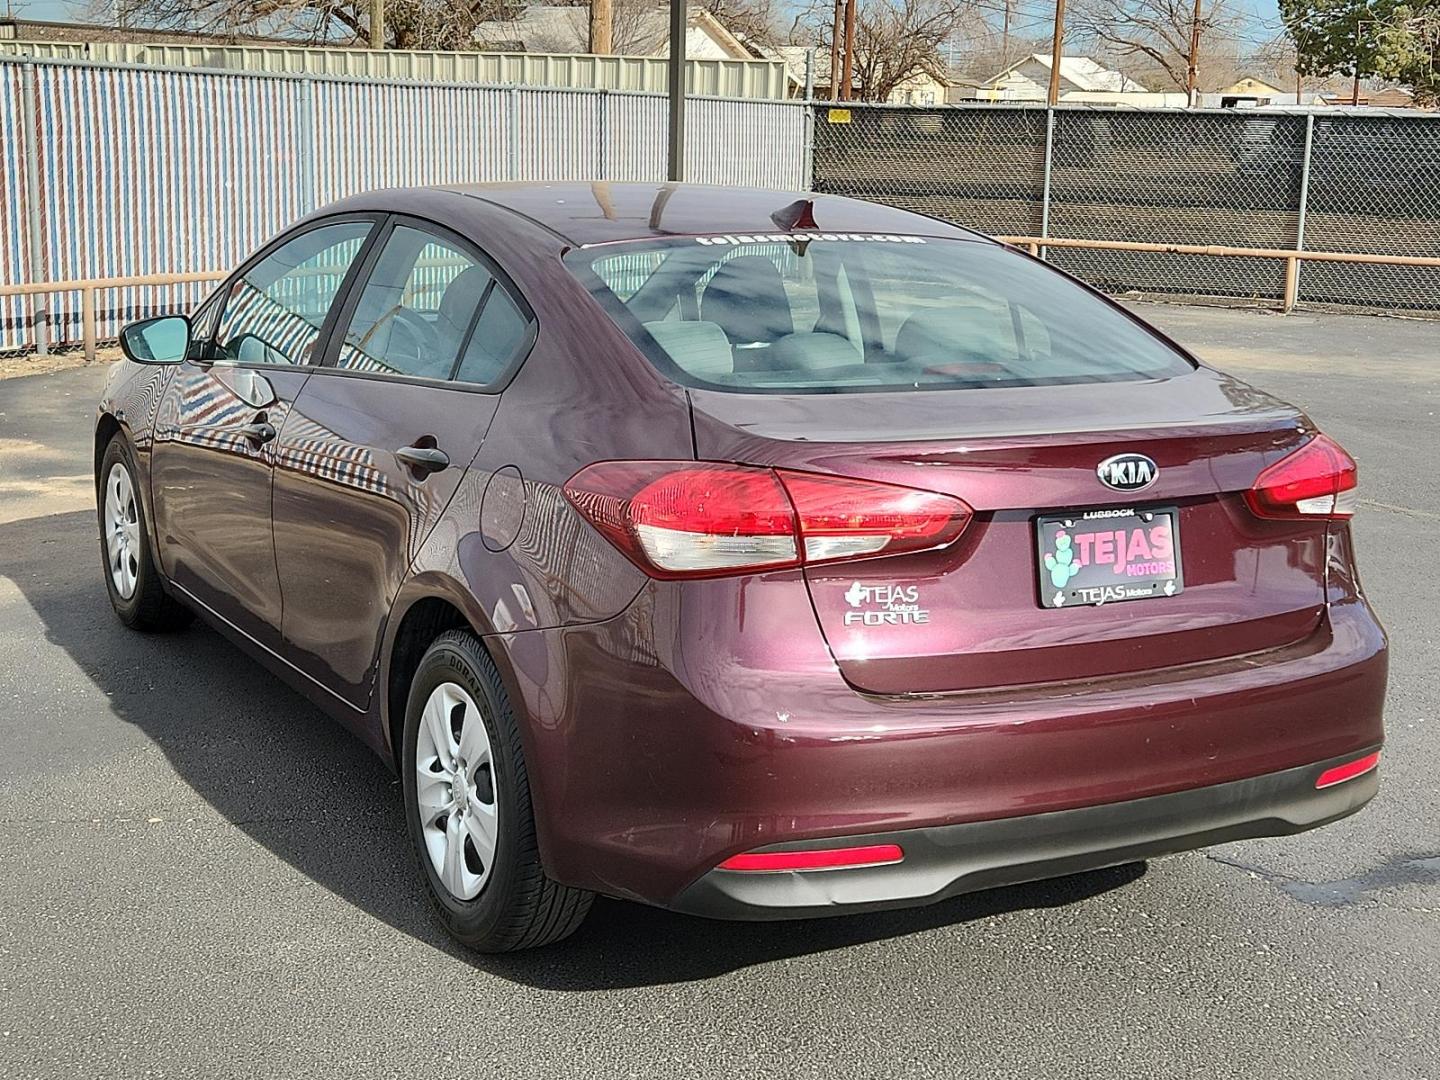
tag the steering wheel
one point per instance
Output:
(424, 342)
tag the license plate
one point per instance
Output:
(1093, 557)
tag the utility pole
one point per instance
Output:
(848, 72)
(1057, 52)
(836, 31)
(602, 26)
(1192, 71)
(377, 24)
(1005, 37)
(678, 21)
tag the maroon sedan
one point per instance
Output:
(751, 554)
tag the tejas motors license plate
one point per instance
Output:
(1105, 556)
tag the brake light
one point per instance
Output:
(770, 862)
(704, 519)
(1318, 480)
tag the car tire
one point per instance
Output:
(468, 807)
(132, 579)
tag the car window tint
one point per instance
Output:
(274, 313)
(498, 337)
(417, 307)
(846, 312)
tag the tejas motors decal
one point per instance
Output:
(884, 605)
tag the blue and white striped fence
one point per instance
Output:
(146, 171)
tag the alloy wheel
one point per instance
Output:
(122, 531)
(455, 790)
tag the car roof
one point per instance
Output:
(600, 212)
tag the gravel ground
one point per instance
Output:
(202, 876)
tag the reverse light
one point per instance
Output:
(704, 519)
(1349, 771)
(1317, 480)
(772, 862)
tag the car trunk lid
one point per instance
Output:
(974, 614)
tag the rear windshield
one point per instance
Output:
(828, 313)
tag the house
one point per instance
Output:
(1081, 79)
(920, 87)
(638, 30)
(1393, 98)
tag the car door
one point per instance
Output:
(213, 454)
(378, 439)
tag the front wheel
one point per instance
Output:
(468, 809)
(131, 577)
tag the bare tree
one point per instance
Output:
(894, 39)
(409, 24)
(1153, 32)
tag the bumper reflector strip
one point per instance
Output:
(817, 859)
(1351, 769)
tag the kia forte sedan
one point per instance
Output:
(752, 554)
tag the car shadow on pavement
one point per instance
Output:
(277, 768)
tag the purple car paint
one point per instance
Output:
(790, 554)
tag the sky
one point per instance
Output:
(1265, 15)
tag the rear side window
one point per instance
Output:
(831, 313)
(430, 309)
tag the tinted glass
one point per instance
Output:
(499, 335)
(273, 315)
(417, 308)
(851, 312)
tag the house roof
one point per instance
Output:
(1080, 71)
(566, 29)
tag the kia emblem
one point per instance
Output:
(1127, 472)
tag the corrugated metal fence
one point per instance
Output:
(757, 79)
(140, 171)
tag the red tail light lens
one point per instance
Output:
(1318, 480)
(703, 519)
(1349, 771)
(770, 862)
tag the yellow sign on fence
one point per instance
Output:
(839, 116)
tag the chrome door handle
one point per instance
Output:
(424, 459)
(259, 432)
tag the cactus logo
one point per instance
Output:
(1062, 563)
(1127, 472)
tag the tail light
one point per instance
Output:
(1318, 480)
(705, 519)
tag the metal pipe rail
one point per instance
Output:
(1293, 258)
(88, 287)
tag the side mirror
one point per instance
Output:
(164, 340)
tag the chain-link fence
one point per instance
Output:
(1317, 181)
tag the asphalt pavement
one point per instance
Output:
(202, 876)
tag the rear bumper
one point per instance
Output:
(948, 860)
(710, 720)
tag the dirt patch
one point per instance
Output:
(15, 367)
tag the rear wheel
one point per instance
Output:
(131, 577)
(467, 805)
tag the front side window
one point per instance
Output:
(829, 313)
(431, 310)
(274, 313)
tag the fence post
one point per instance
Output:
(87, 323)
(602, 130)
(306, 141)
(1045, 189)
(30, 155)
(512, 105)
(808, 177)
(1292, 266)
